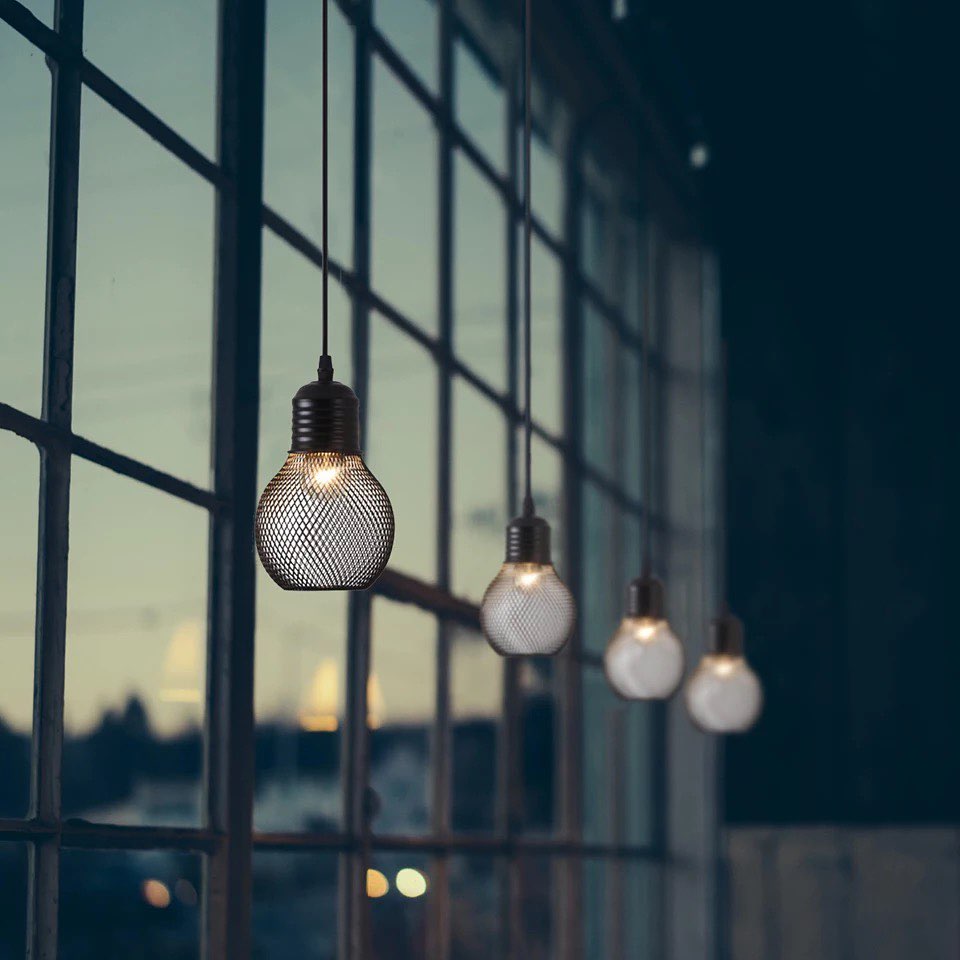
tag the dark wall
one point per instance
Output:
(834, 200)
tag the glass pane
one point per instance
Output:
(144, 905)
(293, 135)
(602, 599)
(480, 283)
(476, 698)
(136, 652)
(596, 255)
(536, 907)
(546, 305)
(404, 232)
(41, 9)
(630, 422)
(401, 442)
(605, 759)
(290, 343)
(537, 746)
(634, 257)
(399, 915)
(547, 490)
(18, 582)
(300, 700)
(604, 418)
(401, 704)
(294, 906)
(475, 908)
(481, 105)
(144, 298)
(13, 896)
(643, 907)
(597, 912)
(165, 54)
(546, 176)
(411, 28)
(479, 491)
(25, 108)
(644, 775)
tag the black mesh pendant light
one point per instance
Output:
(644, 659)
(527, 609)
(324, 522)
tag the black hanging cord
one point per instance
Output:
(528, 508)
(325, 369)
(647, 434)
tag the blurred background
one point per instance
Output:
(774, 187)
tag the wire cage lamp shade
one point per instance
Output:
(527, 609)
(324, 522)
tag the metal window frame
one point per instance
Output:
(226, 838)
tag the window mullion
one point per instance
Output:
(229, 734)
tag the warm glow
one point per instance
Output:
(647, 628)
(375, 703)
(723, 665)
(529, 579)
(324, 475)
(156, 894)
(181, 664)
(411, 883)
(319, 713)
(377, 884)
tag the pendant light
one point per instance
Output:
(527, 610)
(644, 658)
(724, 694)
(324, 522)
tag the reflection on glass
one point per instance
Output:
(144, 298)
(25, 108)
(13, 896)
(475, 907)
(129, 904)
(480, 291)
(400, 709)
(133, 41)
(403, 252)
(479, 490)
(399, 919)
(602, 586)
(411, 28)
(476, 697)
(401, 442)
(606, 421)
(481, 104)
(300, 701)
(18, 579)
(294, 906)
(293, 136)
(136, 628)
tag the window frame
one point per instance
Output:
(226, 837)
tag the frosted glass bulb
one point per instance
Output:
(324, 523)
(644, 659)
(527, 610)
(724, 695)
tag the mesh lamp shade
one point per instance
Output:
(644, 658)
(324, 522)
(527, 610)
(724, 695)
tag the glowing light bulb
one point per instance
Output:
(377, 884)
(411, 883)
(324, 522)
(724, 695)
(644, 659)
(527, 610)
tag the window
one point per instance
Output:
(196, 739)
